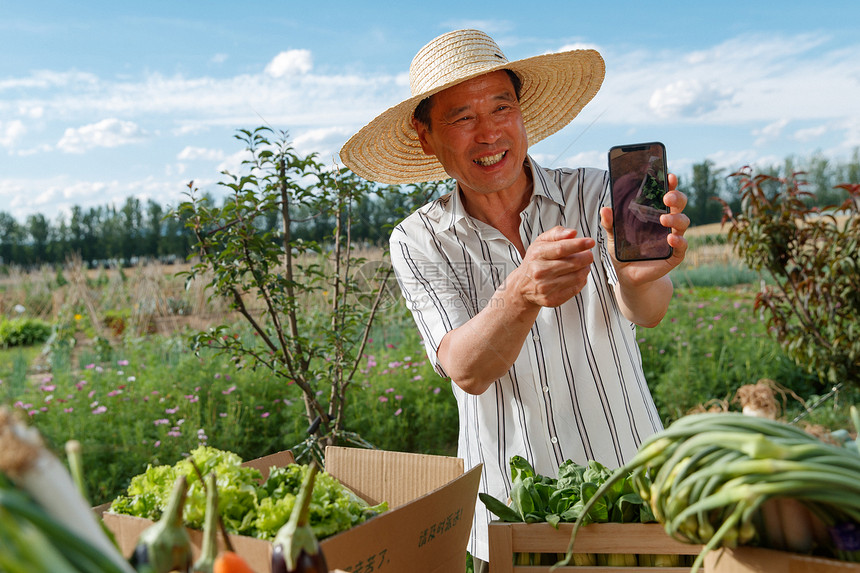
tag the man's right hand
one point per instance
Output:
(555, 267)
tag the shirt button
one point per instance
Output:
(554, 440)
(536, 337)
(546, 388)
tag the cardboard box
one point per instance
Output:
(758, 560)
(638, 538)
(426, 530)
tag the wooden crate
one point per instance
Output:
(639, 538)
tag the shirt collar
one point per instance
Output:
(542, 186)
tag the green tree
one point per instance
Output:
(11, 240)
(38, 229)
(704, 192)
(154, 230)
(813, 256)
(310, 315)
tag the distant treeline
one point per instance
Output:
(109, 235)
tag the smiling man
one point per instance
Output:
(511, 277)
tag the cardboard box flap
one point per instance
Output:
(266, 463)
(395, 477)
(415, 536)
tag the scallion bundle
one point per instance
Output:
(723, 480)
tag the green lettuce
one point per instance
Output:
(247, 506)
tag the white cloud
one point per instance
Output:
(194, 153)
(291, 62)
(11, 132)
(219, 58)
(324, 141)
(44, 79)
(110, 132)
(233, 162)
(579, 46)
(769, 132)
(810, 133)
(687, 98)
(32, 111)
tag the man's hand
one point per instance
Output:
(555, 267)
(640, 272)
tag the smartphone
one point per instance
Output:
(638, 181)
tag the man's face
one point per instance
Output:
(477, 134)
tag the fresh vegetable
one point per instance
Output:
(206, 561)
(39, 490)
(230, 562)
(296, 549)
(32, 539)
(247, 507)
(165, 546)
(712, 477)
(148, 493)
(537, 498)
(334, 508)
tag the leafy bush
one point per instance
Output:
(814, 307)
(23, 332)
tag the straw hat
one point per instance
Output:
(555, 87)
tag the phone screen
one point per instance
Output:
(638, 182)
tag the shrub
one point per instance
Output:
(23, 332)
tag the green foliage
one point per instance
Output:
(814, 259)
(711, 342)
(23, 332)
(273, 279)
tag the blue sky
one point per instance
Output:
(103, 100)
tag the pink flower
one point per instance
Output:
(157, 443)
(81, 384)
(389, 390)
(192, 398)
(229, 390)
(90, 366)
(68, 410)
(161, 422)
(398, 411)
(48, 387)
(264, 415)
(417, 377)
(113, 393)
(383, 399)
(171, 410)
(122, 362)
(398, 397)
(100, 410)
(436, 390)
(91, 394)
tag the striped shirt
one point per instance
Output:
(576, 391)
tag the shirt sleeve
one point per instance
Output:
(428, 285)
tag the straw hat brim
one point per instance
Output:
(555, 88)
